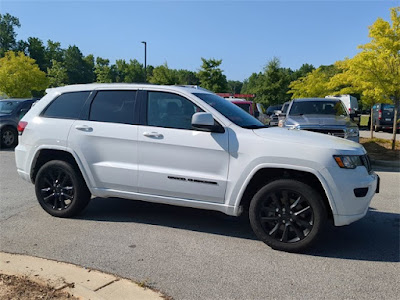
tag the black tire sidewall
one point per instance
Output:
(81, 193)
(313, 198)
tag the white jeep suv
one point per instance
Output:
(189, 147)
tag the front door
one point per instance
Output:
(174, 159)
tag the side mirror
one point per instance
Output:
(205, 122)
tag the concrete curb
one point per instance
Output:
(79, 282)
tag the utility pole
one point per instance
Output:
(145, 61)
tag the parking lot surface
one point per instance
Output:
(197, 254)
(381, 134)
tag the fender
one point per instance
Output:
(316, 173)
(88, 177)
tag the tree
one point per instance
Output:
(79, 69)
(211, 76)
(128, 72)
(315, 84)
(375, 71)
(7, 33)
(57, 74)
(19, 75)
(164, 75)
(54, 51)
(103, 70)
(37, 51)
(272, 85)
(186, 77)
(235, 86)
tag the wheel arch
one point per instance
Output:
(265, 174)
(45, 155)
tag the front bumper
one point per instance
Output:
(342, 182)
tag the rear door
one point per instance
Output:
(106, 140)
(174, 159)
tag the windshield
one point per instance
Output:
(7, 107)
(231, 111)
(285, 107)
(318, 108)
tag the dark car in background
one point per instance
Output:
(323, 115)
(11, 111)
(382, 117)
(279, 114)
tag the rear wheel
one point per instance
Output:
(287, 215)
(377, 128)
(61, 189)
(9, 137)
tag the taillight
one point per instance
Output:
(21, 127)
(380, 114)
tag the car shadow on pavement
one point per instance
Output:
(373, 238)
(121, 210)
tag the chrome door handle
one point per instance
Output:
(84, 128)
(153, 134)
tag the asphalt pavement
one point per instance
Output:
(196, 254)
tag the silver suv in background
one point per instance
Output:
(323, 115)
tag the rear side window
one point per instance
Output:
(113, 107)
(66, 106)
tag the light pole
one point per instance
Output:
(145, 63)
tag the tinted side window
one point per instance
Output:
(66, 106)
(170, 110)
(114, 107)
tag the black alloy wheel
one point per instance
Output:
(287, 215)
(60, 189)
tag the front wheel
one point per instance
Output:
(287, 215)
(61, 189)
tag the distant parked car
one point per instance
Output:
(254, 109)
(323, 115)
(382, 117)
(11, 111)
(279, 115)
(272, 109)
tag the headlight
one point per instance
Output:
(348, 161)
(352, 131)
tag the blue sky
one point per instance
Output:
(244, 34)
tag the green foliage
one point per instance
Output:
(128, 72)
(235, 86)
(19, 75)
(54, 52)
(7, 33)
(57, 74)
(37, 51)
(103, 70)
(271, 86)
(186, 77)
(163, 75)
(315, 84)
(375, 71)
(212, 77)
(79, 69)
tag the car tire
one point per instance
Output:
(287, 215)
(9, 137)
(61, 189)
(377, 128)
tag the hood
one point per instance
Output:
(320, 121)
(312, 139)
